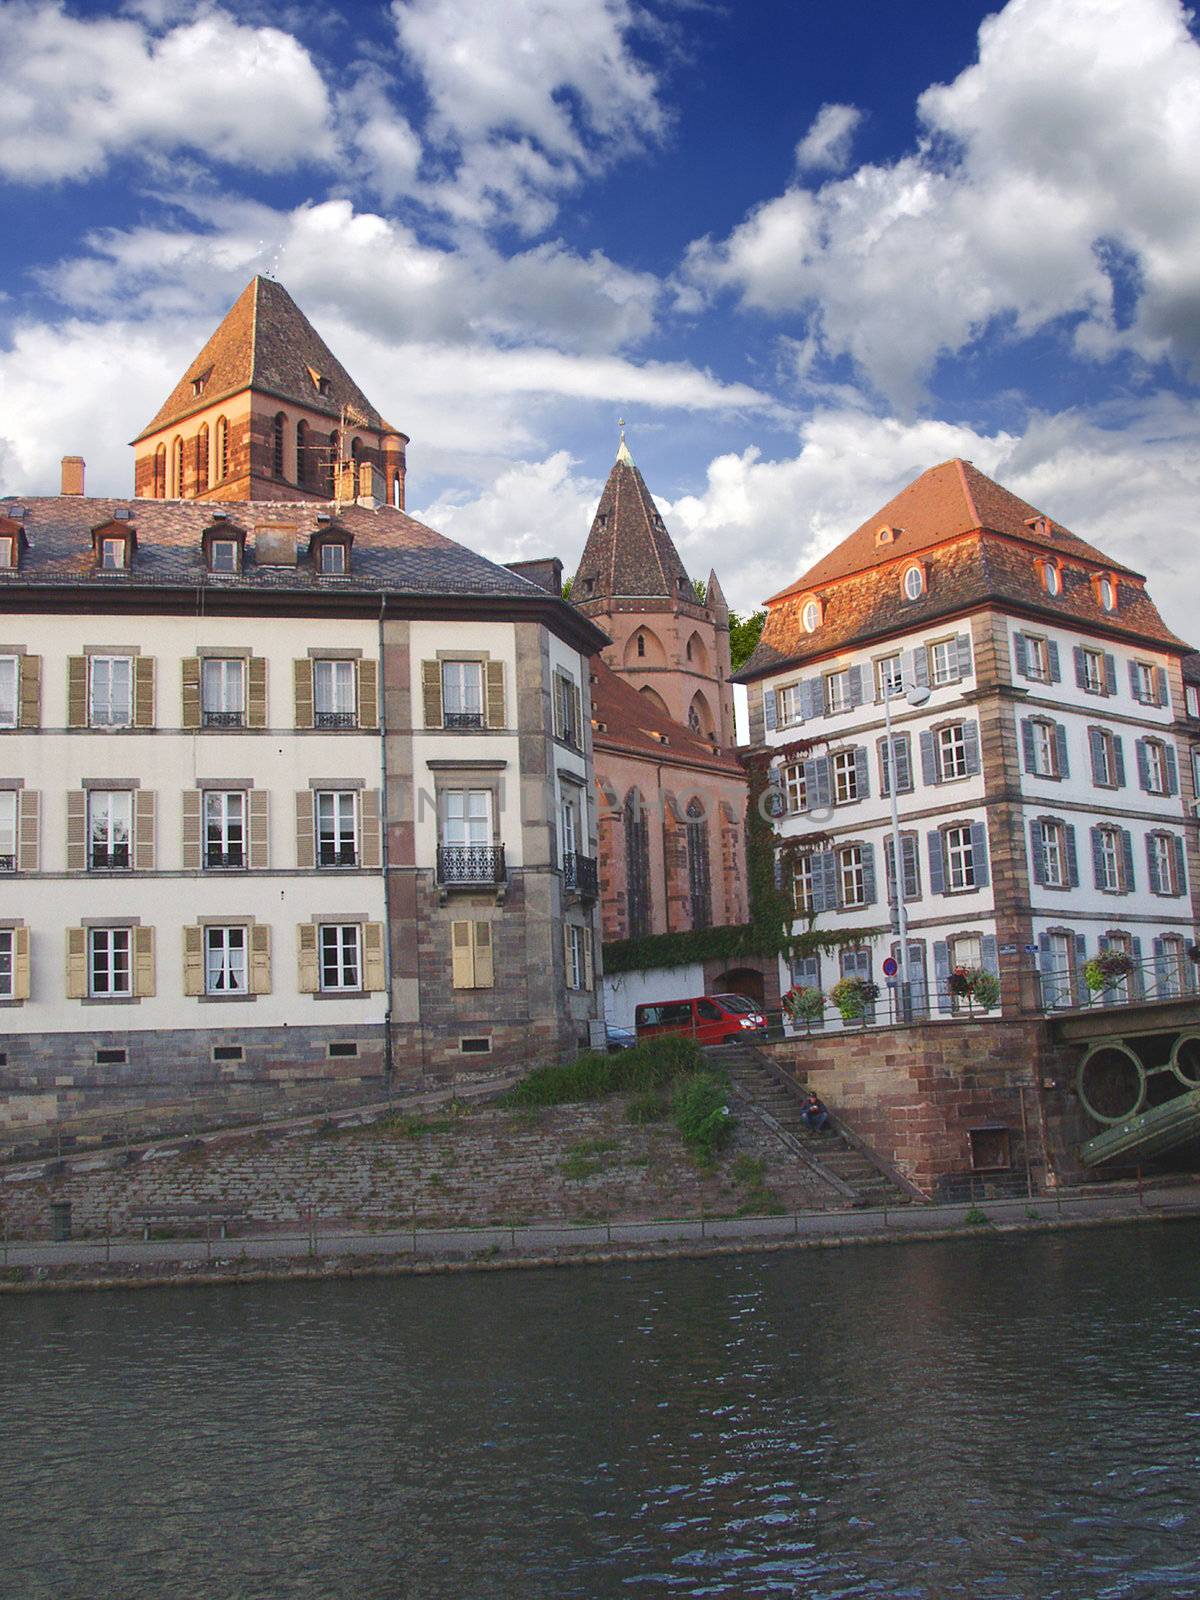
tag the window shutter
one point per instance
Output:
(462, 956)
(1037, 853)
(143, 830)
(368, 694)
(566, 939)
(1137, 978)
(1110, 674)
(431, 691)
(76, 830)
(29, 816)
(1052, 661)
(309, 977)
(971, 746)
(143, 961)
(903, 760)
(1152, 866)
(1160, 686)
(193, 802)
(910, 866)
(929, 772)
(991, 956)
(30, 710)
(1134, 689)
(963, 643)
(868, 868)
(374, 958)
(776, 804)
(885, 779)
(1072, 856)
(1097, 859)
(1080, 667)
(193, 960)
(770, 715)
(824, 881)
(1096, 746)
(481, 939)
(937, 868)
(1027, 743)
(589, 960)
(941, 974)
(1143, 765)
(855, 680)
(577, 711)
(258, 854)
(1118, 745)
(1127, 861)
(302, 677)
(1021, 654)
(1180, 865)
(821, 794)
(1162, 976)
(1080, 987)
(812, 698)
(979, 854)
(143, 691)
(494, 676)
(1046, 963)
(20, 964)
(77, 692)
(1172, 769)
(1060, 747)
(256, 692)
(306, 844)
(77, 977)
(191, 691)
(862, 776)
(370, 845)
(918, 666)
(260, 958)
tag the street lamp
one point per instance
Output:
(916, 694)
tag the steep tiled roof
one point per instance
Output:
(266, 343)
(979, 545)
(629, 552)
(627, 723)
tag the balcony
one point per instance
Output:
(8, 863)
(580, 875)
(114, 860)
(224, 719)
(335, 719)
(337, 855)
(462, 719)
(471, 865)
(234, 856)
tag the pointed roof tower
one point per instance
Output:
(629, 553)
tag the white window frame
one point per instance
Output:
(1054, 859)
(332, 562)
(577, 975)
(223, 555)
(843, 769)
(943, 663)
(964, 950)
(335, 821)
(110, 810)
(1108, 594)
(795, 788)
(837, 690)
(462, 691)
(889, 676)
(101, 697)
(1037, 657)
(960, 858)
(1191, 699)
(952, 752)
(1095, 680)
(787, 705)
(8, 550)
(1108, 759)
(1110, 861)
(810, 616)
(8, 951)
(223, 691)
(1156, 767)
(466, 818)
(1045, 749)
(224, 814)
(1163, 845)
(802, 885)
(227, 959)
(1145, 689)
(1052, 577)
(914, 583)
(113, 555)
(10, 691)
(335, 693)
(565, 688)
(339, 957)
(852, 883)
(9, 807)
(110, 956)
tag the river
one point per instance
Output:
(992, 1417)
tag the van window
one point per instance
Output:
(679, 1012)
(648, 1016)
(736, 1003)
(709, 1010)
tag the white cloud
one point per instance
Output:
(79, 93)
(529, 509)
(826, 145)
(1065, 155)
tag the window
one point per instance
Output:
(177, 462)
(202, 458)
(637, 865)
(1164, 854)
(302, 453)
(901, 753)
(699, 886)
(795, 790)
(1094, 677)
(8, 830)
(960, 858)
(641, 644)
(837, 690)
(222, 688)
(1052, 577)
(1045, 749)
(110, 825)
(1106, 844)
(224, 828)
(845, 776)
(337, 837)
(787, 701)
(914, 583)
(576, 957)
(1108, 594)
(1154, 767)
(1037, 658)
(223, 555)
(10, 690)
(1049, 839)
(225, 961)
(889, 677)
(341, 964)
(1191, 699)
(951, 753)
(110, 972)
(965, 950)
(160, 473)
(1173, 977)
(1058, 958)
(112, 554)
(7, 942)
(277, 444)
(334, 694)
(466, 853)
(909, 866)
(1143, 682)
(333, 559)
(943, 662)
(1108, 766)
(802, 885)
(222, 449)
(811, 616)
(8, 550)
(567, 711)
(852, 881)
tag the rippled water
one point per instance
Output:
(989, 1418)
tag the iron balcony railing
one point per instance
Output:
(234, 856)
(109, 860)
(8, 863)
(462, 719)
(337, 855)
(224, 719)
(335, 719)
(580, 875)
(471, 863)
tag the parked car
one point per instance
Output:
(620, 1038)
(708, 1018)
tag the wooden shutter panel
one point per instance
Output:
(306, 845)
(193, 960)
(76, 830)
(29, 714)
(431, 689)
(1110, 674)
(1060, 746)
(937, 864)
(462, 953)
(256, 692)
(1072, 856)
(77, 977)
(1180, 865)
(143, 830)
(589, 960)
(862, 776)
(143, 961)
(306, 942)
(979, 854)
(77, 692)
(567, 955)
(577, 714)
(29, 807)
(302, 672)
(20, 964)
(556, 703)
(962, 644)
(1037, 853)
(191, 691)
(260, 958)
(929, 771)
(368, 694)
(769, 713)
(1118, 745)
(258, 856)
(143, 691)
(971, 746)
(1080, 667)
(485, 967)
(1127, 884)
(193, 802)
(1027, 752)
(1021, 652)
(370, 843)
(374, 958)
(494, 675)
(1052, 656)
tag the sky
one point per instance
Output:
(805, 249)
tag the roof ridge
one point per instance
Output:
(962, 466)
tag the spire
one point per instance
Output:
(623, 448)
(714, 599)
(629, 552)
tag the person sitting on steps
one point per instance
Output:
(814, 1115)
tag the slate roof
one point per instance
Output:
(631, 722)
(629, 552)
(976, 543)
(266, 343)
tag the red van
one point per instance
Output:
(709, 1019)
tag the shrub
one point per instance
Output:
(854, 996)
(648, 1107)
(592, 1076)
(701, 1114)
(804, 1004)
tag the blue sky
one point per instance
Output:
(807, 250)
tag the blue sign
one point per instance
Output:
(890, 968)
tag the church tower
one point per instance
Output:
(670, 644)
(266, 411)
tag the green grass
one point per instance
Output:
(975, 1218)
(584, 1160)
(702, 1115)
(594, 1076)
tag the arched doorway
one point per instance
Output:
(740, 980)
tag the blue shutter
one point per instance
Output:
(778, 861)
(812, 698)
(1080, 987)
(1133, 681)
(1037, 854)
(1152, 866)
(941, 974)
(861, 775)
(1161, 974)
(1096, 746)
(990, 958)
(963, 644)
(1180, 865)
(856, 686)
(770, 716)
(1137, 978)
(1052, 658)
(1072, 856)
(1080, 668)
(885, 776)
(903, 757)
(822, 783)
(1027, 744)
(1172, 769)
(918, 666)
(1046, 963)
(979, 855)
(1021, 652)
(1143, 765)
(868, 865)
(937, 867)
(971, 746)
(1110, 674)
(1097, 860)
(910, 866)
(1127, 858)
(1119, 759)
(776, 804)
(825, 881)
(1060, 745)
(929, 773)
(1161, 694)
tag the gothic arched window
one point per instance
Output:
(222, 449)
(335, 451)
(302, 452)
(177, 464)
(160, 472)
(637, 866)
(202, 459)
(699, 883)
(277, 444)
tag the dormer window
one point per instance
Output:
(1052, 577)
(113, 546)
(199, 382)
(223, 555)
(8, 550)
(223, 544)
(1106, 591)
(333, 559)
(112, 553)
(810, 615)
(329, 549)
(914, 582)
(886, 535)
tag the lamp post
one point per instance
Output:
(915, 694)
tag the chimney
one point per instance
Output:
(72, 475)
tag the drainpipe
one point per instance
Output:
(381, 701)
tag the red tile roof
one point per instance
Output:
(627, 723)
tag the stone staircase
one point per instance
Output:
(775, 1100)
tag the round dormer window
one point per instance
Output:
(914, 583)
(811, 616)
(1108, 594)
(1053, 578)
